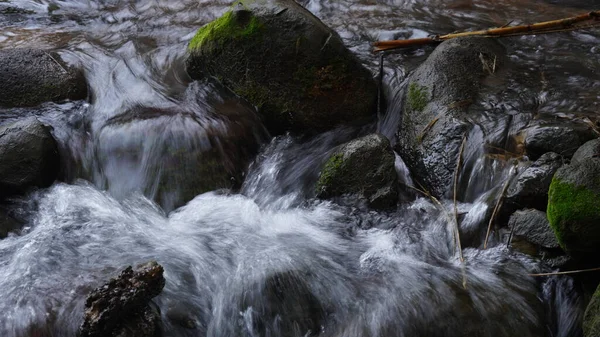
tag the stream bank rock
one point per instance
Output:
(286, 62)
(364, 167)
(33, 76)
(591, 319)
(562, 139)
(122, 307)
(574, 207)
(28, 157)
(588, 150)
(436, 108)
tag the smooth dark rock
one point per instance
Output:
(363, 167)
(28, 157)
(530, 188)
(562, 139)
(7, 224)
(32, 76)
(533, 225)
(436, 108)
(285, 61)
(591, 319)
(588, 150)
(574, 207)
(122, 306)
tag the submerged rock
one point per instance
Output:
(562, 139)
(530, 188)
(591, 319)
(122, 307)
(364, 167)
(588, 150)
(32, 76)
(285, 61)
(436, 108)
(176, 153)
(28, 157)
(574, 206)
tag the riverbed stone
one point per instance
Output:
(7, 224)
(562, 139)
(436, 112)
(122, 307)
(363, 167)
(34, 76)
(29, 156)
(588, 150)
(532, 225)
(530, 188)
(591, 318)
(574, 206)
(286, 62)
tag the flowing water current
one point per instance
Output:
(347, 271)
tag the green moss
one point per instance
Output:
(571, 209)
(226, 28)
(330, 170)
(417, 97)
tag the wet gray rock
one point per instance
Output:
(533, 226)
(7, 224)
(122, 307)
(591, 318)
(285, 61)
(28, 157)
(562, 139)
(363, 167)
(436, 108)
(588, 150)
(32, 76)
(530, 188)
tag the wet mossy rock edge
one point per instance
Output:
(287, 63)
(574, 207)
(436, 110)
(362, 167)
(33, 76)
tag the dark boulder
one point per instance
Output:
(533, 226)
(436, 113)
(363, 167)
(174, 153)
(28, 157)
(588, 150)
(285, 61)
(574, 207)
(562, 139)
(591, 319)
(530, 188)
(7, 224)
(122, 307)
(32, 76)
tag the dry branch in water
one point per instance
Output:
(554, 26)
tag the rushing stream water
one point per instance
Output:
(361, 273)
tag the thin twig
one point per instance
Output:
(496, 209)
(566, 272)
(456, 171)
(55, 61)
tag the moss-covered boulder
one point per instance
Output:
(174, 153)
(362, 167)
(283, 60)
(574, 206)
(591, 319)
(29, 157)
(33, 76)
(437, 108)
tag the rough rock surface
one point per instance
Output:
(530, 188)
(588, 150)
(285, 61)
(591, 319)
(533, 226)
(28, 156)
(32, 76)
(562, 139)
(436, 108)
(364, 167)
(122, 306)
(574, 206)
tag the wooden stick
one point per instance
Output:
(496, 209)
(541, 27)
(456, 171)
(566, 272)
